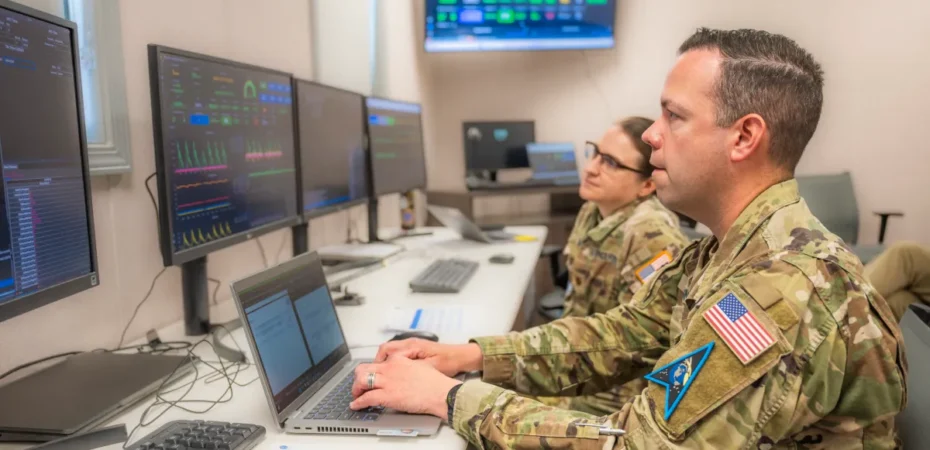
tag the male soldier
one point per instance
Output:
(622, 236)
(764, 335)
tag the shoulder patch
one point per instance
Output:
(646, 271)
(678, 375)
(739, 328)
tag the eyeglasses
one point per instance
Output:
(591, 151)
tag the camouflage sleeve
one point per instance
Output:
(572, 356)
(650, 245)
(823, 369)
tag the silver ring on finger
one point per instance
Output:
(371, 380)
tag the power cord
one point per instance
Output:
(261, 249)
(216, 289)
(277, 255)
(151, 348)
(38, 361)
(219, 370)
(139, 306)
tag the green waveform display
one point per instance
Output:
(191, 157)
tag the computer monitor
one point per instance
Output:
(333, 163)
(492, 25)
(497, 145)
(47, 247)
(224, 151)
(395, 135)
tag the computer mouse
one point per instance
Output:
(502, 258)
(416, 334)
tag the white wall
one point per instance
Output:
(272, 33)
(873, 123)
(401, 74)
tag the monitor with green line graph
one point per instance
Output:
(506, 25)
(224, 150)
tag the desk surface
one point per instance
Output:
(493, 295)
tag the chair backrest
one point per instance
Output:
(832, 200)
(912, 423)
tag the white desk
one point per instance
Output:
(495, 294)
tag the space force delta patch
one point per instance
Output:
(646, 271)
(677, 376)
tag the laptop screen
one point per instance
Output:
(292, 319)
(552, 160)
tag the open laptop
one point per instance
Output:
(553, 162)
(454, 219)
(302, 358)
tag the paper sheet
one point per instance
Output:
(441, 320)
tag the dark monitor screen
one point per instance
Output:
(395, 136)
(333, 165)
(499, 25)
(497, 145)
(224, 136)
(46, 229)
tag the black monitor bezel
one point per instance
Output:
(51, 294)
(426, 50)
(319, 212)
(470, 157)
(371, 163)
(165, 230)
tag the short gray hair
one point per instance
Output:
(770, 75)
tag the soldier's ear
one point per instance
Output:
(648, 188)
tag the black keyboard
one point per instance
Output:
(444, 276)
(335, 406)
(198, 434)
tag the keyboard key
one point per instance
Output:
(370, 417)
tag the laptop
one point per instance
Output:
(102, 384)
(302, 358)
(454, 219)
(553, 162)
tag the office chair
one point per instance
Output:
(832, 199)
(552, 304)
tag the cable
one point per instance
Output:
(219, 370)
(216, 289)
(160, 348)
(277, 256)
(38, 361)
(139, 306)
(151, 195)
(261, 248)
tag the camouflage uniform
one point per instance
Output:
(834, 376)
(608, 260)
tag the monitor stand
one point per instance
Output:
(196, 299)
(299, 241)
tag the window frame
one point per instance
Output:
(114, 154)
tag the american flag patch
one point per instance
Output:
(646, 271)
(739, 328)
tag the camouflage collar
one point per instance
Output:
(598, 231)
(751, 219)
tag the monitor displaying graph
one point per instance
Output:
(227, 161)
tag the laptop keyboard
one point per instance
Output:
(335, 406)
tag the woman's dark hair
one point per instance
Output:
(634, 127)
